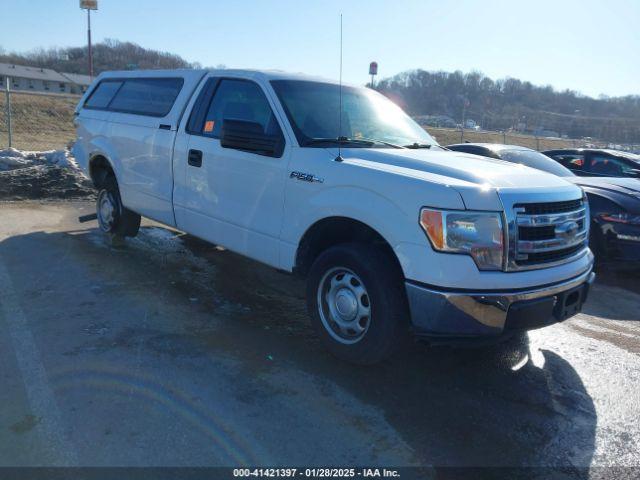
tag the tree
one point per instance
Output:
(506, 103)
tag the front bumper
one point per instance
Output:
(446, 313)
(623, 243)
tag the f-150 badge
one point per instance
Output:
(306, 177)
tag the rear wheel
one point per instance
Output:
(113, 217)
(356, 300)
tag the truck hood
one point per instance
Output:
(477, 179)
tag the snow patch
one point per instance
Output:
(35, 175)
(11, 159)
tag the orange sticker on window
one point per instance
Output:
(208, 126)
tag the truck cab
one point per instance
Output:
(335, 183)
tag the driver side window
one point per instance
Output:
(238, 100)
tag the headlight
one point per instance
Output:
(479, 234)
(621, 218)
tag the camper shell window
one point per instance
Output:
(152, 97)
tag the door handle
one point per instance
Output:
(195, 158)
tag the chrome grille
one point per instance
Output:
(548, 232)
(551, 207)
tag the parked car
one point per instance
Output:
(614, 202)
(337, 184)
(596, 162)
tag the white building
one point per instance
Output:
(42, 80)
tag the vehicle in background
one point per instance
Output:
(614, 202)
(337, 184)
(597, 162)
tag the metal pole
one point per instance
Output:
(464, 110)
(89, 41)
(8, 94)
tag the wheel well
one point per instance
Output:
(333, 231)
(99, 170)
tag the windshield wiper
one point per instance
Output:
(348, 140)
(417, 145)
(388, 144)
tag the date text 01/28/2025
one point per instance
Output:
(316, 472)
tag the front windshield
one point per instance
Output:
(627, 155)
(313, 110)
(533, 159)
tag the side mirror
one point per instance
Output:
(635, 172)
(250, 137)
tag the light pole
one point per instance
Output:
(89, 5)
(89, 42)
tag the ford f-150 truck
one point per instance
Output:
(335, 183)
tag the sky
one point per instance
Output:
(585, 45)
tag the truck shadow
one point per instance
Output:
(498, 406)
(486, 406)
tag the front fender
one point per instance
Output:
(395, 222)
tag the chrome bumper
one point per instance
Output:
(464, 314)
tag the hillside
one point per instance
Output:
(107, 55)
(512, 104)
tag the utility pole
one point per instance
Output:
(8, 94)
(89, 5)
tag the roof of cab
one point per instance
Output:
(266, 75)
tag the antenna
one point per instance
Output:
(339, 157)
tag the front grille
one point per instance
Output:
(545, 257)
(536, 233)
(554, 207)
(541, 233)
(549, 231)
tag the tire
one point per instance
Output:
(113, 217)
(357, 302)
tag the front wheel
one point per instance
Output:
(113, 217)
(357, 303)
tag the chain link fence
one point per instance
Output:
(448, 136)
(43, 121)
(38, 121)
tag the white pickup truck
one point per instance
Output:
(394, 233)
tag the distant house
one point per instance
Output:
(79, 83)
(42, 80)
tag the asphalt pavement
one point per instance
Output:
(172, 352)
